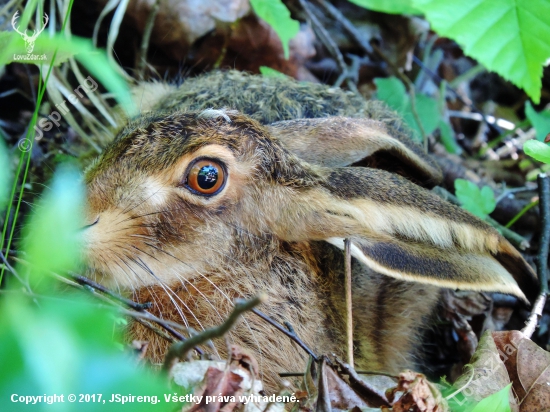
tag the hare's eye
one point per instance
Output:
(206, 177)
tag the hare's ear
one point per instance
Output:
(402, 230)
(343, 141)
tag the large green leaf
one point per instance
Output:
(537, 150)
(540, 121)
(510, 37)
(65, 346)
(275, 13)
(385, 6)
(52, 233)
(476, 201)
(393, 92)
(497, 402)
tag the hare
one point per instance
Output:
(234, 184)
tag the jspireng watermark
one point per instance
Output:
(45, 124)
(29, 39)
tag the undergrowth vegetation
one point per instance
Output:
(62, 341)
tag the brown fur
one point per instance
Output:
(267, 231)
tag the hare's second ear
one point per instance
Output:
(343, 141)
(402, 230)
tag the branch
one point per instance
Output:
(330, 45)
(288, 332)
(542, 256)
(180, 349)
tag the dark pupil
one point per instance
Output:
(207, 177)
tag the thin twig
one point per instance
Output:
(130, 303)
(330, 44)
(146, 38)
(180, 349)
(437, 80)
(137, 312)
(542, 256)
(369, 49)
(410, 88)
(349, 310)
(290, 333)
(346, 25)
(544, 244)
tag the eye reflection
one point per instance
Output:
(206, 177)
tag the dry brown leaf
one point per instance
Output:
(528, 367)
(372, 388)
(218, 386)
(419, 395)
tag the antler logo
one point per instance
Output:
(29, 40)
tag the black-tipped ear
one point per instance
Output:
(342, 141)
(405, 231)
(448, 268)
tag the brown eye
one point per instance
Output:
(206, 177)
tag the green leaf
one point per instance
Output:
(509, 37)
(52, 233)
(537, 150)
(497, 402)
(65, 346)
(4, 175)
(540, 121)
(269, 72)
(275, 13)
(393, 92)
(385, 6)
(478, 202)
(448, 138)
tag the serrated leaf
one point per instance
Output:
(269, 72)
(540, 121)
(393, 92)
(385, 6)
(275, 13)
(497, 402)
(537, 150)
(509, 37)
(478, 202)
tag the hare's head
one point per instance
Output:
(183, 193)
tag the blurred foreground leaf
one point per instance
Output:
(5, 183)
(65, 346)
(52, 233)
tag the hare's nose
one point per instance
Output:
(91, 224)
